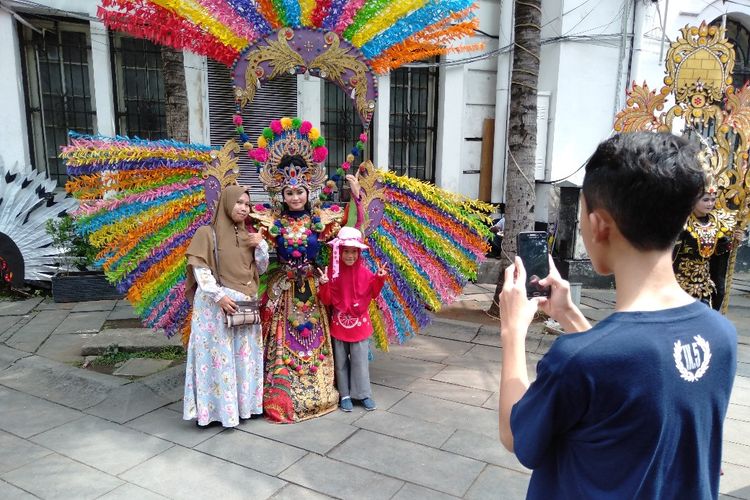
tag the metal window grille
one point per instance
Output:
(275, 99)
(341, 126)
(413, 122)
(138, 88)
(58, 90)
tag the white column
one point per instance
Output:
(196, 84)
(502, 101)
(101, 76)
(450, 134)
(14, 140)
(309, 98)
(381, 123)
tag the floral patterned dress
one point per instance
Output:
(224, 372)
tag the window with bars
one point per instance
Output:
(275, 99)
(138, 80)
(413, 122)
(58, 90)
(341, 126)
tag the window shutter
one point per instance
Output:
(275, 99)
(542, 124)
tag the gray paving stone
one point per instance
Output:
(176, 406)
(492, 403)
(477, 446)
(18, 452)
(491, 339)
(106, 446)
(141, 367)
(8, 356)
(438, 469)
(10, 492)
(183, 473)
(64, 348)
(25, 415)
(430, 348)
(496, 483)
(294, 492)
(82, 322)
(316, 435)
(18, 307)
(59, 383)
(415, 492)
(411, 429)
(484, 352)
(385, 397)
(738, 412)
(127, 402)
(406, 366)
(169, 383)
(129, 340)
(251, 451)
(54, 477)
(735, 453)
(456, 415)
(450, 392)
(169, 425)
(388, 378)
(94, 305)
(31, 335)
(121, 312)
(49, 303)
(736, 481)
(7, 324)
(130, 492)
(340, 479)
(452, 330)
(485, 378)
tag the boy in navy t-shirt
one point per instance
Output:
(634, 407)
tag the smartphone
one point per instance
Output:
(532, 248)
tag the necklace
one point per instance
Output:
(706, 234)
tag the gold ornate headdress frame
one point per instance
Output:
(311, 176)
(699, 77)
(221, 172)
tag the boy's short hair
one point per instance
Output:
(648, 182)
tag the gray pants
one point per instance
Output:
(352, 368)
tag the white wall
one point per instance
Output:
(14, 148)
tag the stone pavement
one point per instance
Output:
(66, 432)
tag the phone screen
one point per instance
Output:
(532, 248)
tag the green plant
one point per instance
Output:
(78, 253)
(113, 355)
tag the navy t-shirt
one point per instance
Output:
(632, 408)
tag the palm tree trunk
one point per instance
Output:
(175, 92)
(519, 189)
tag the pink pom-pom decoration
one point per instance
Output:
(260, 154)
(305, 128)
(346, 165)
(327, 190)
(320, 154)
(363, 137)
(276, 127)
(237, 120)
(296, 254)
(313, 368)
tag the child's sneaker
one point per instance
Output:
(369, 404)
(346, 404)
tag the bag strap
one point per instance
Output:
(216, 258)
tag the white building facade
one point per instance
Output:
(63, 70)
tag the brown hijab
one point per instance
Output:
(236, 255)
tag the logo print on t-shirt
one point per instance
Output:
(692, 359)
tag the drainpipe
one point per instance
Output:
(502, 100)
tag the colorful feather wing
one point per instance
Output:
(141, 203)
(388, 33)
(431, 242)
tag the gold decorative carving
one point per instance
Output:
(278, 54)
(224, 165)
(372, 189)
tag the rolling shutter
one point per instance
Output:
(275, 99)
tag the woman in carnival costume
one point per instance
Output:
(299, 356)
(224, 372)
(702, 250)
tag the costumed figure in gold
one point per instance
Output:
(299, 376)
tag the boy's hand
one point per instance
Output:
(516, 310)
(559, 305)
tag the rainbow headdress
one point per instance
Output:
(344, 41)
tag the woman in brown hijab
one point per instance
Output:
(224, 374)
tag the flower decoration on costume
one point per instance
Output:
(291, 137)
